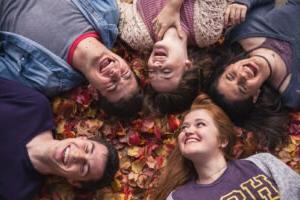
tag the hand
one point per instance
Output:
(167, 18)
(235, 14)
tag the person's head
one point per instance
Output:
(88, 164)
(168, 62)
(105, 71)
(125, 108)
(205, 129)
(175, 101)
(259, 111)
(243, 79)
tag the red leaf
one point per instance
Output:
(134, 138)
(173, 122)
(157, 133)
(81, 96)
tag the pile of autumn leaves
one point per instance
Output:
(143, 143)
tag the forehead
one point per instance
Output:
(201, 114)
(165, 85)
(229, 88)
(124, 89)
(98, 161)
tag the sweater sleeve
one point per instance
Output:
(208, 21)
(252, 3)
(287, 180)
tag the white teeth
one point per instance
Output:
(66, 155)
(191, 140)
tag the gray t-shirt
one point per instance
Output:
(55, 24)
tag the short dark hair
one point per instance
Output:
(126, 107)
(111, 167)
(266, 118)
(175, 101)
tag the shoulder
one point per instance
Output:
(182, 191)
(271, 165)
(14, 92)
(208, 21)
(266, 157)
(132, 28)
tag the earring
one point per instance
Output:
(255, 98)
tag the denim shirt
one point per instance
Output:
(282, 23)
(28, 62)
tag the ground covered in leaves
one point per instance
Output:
(143, 143)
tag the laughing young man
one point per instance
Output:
(28, 150)
(54, 45)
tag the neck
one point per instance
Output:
(38, 152)
(267, 60)
(85, 52)
(171, 34)
(210, 168)
(268, 65)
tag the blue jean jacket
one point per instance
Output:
(28, 62)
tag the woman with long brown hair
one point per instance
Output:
(201, 166)
(168, 27)
(262, 79)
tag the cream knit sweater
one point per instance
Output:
(208, 24)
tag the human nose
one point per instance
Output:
(79, 156)
(115, 74)
(242, 78)
(157, 64)
(188, 131)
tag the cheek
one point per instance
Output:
(180, 140)
(73, 171)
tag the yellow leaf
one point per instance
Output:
(137, 166)
(134, 151)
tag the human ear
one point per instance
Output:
(74, 183)
(188, 64)
(223, 143)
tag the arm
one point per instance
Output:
(287, 180)
(168, 16)
(252, 3)
(236, 11)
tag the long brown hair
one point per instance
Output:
(179, 170)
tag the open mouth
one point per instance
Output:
(66, 154)
(191, 140)
(104, 63)
(252, 69)
(159, 51)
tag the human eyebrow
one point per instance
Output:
(229, 76)
(184, 125)
(127, 75)
(87, 163)
(200, 120)
(93, 147)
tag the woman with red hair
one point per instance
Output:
(201, 167)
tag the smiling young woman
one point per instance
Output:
(260, 83)
(201, 166)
